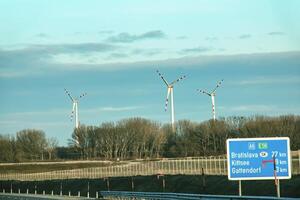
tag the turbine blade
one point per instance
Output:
(179, 79)
(67, 92)
(82, 95)
(218, 85)
(204, 92)
(167, 99)
(161, 76)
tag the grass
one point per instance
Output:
(217, 185)
(45, 167)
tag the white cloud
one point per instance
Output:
(41, 118)
(14, 74)
(35, 63)
(129, 38)
(118, 109)
(36, 113)
(260, 109)
(111, 109)
(10, 122)
(253, 108)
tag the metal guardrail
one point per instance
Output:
(38, 197)
(180, 196)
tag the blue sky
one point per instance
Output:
(111, 50)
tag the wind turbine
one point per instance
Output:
(212, 94)
(75, 102)
(170, 88)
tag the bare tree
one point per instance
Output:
(31, 144)
(51, 146)
(80, 141)
(7, 153)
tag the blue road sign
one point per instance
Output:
(256, 158)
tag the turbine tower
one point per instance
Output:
(170, 88)
(75, 102)
(212, 94)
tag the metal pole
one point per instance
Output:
(164, 183)
(172, 110)
(107, 183)
(132, 184)
(213, 106)
(60, 189)
(203, 179)
(240, 188)
(276, 180)
(278, 188)
(76, 115)
(299, 160)
(88, 192)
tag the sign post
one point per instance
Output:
(259, 159)
(240, 188)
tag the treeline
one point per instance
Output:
(28, 144)
(141, 138)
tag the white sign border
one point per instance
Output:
(256, 139)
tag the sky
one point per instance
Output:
(112, 49)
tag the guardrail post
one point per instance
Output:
(107, 183)
(88, 190)
(43, 192)
(205, 158)
(11, 190)
(203, 179)
(163, 181)
(35, 192)
(19, 191)
(220, 168)
(299, 161)
(132, 184)
(78, 194)
(60, 189)
(210, 166)
(164, 184)
(69, 193)
(52, 192)
(27, 191)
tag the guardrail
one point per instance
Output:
(188, 166)
(179, 196)
(39, 197)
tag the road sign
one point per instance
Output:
(253, 158)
